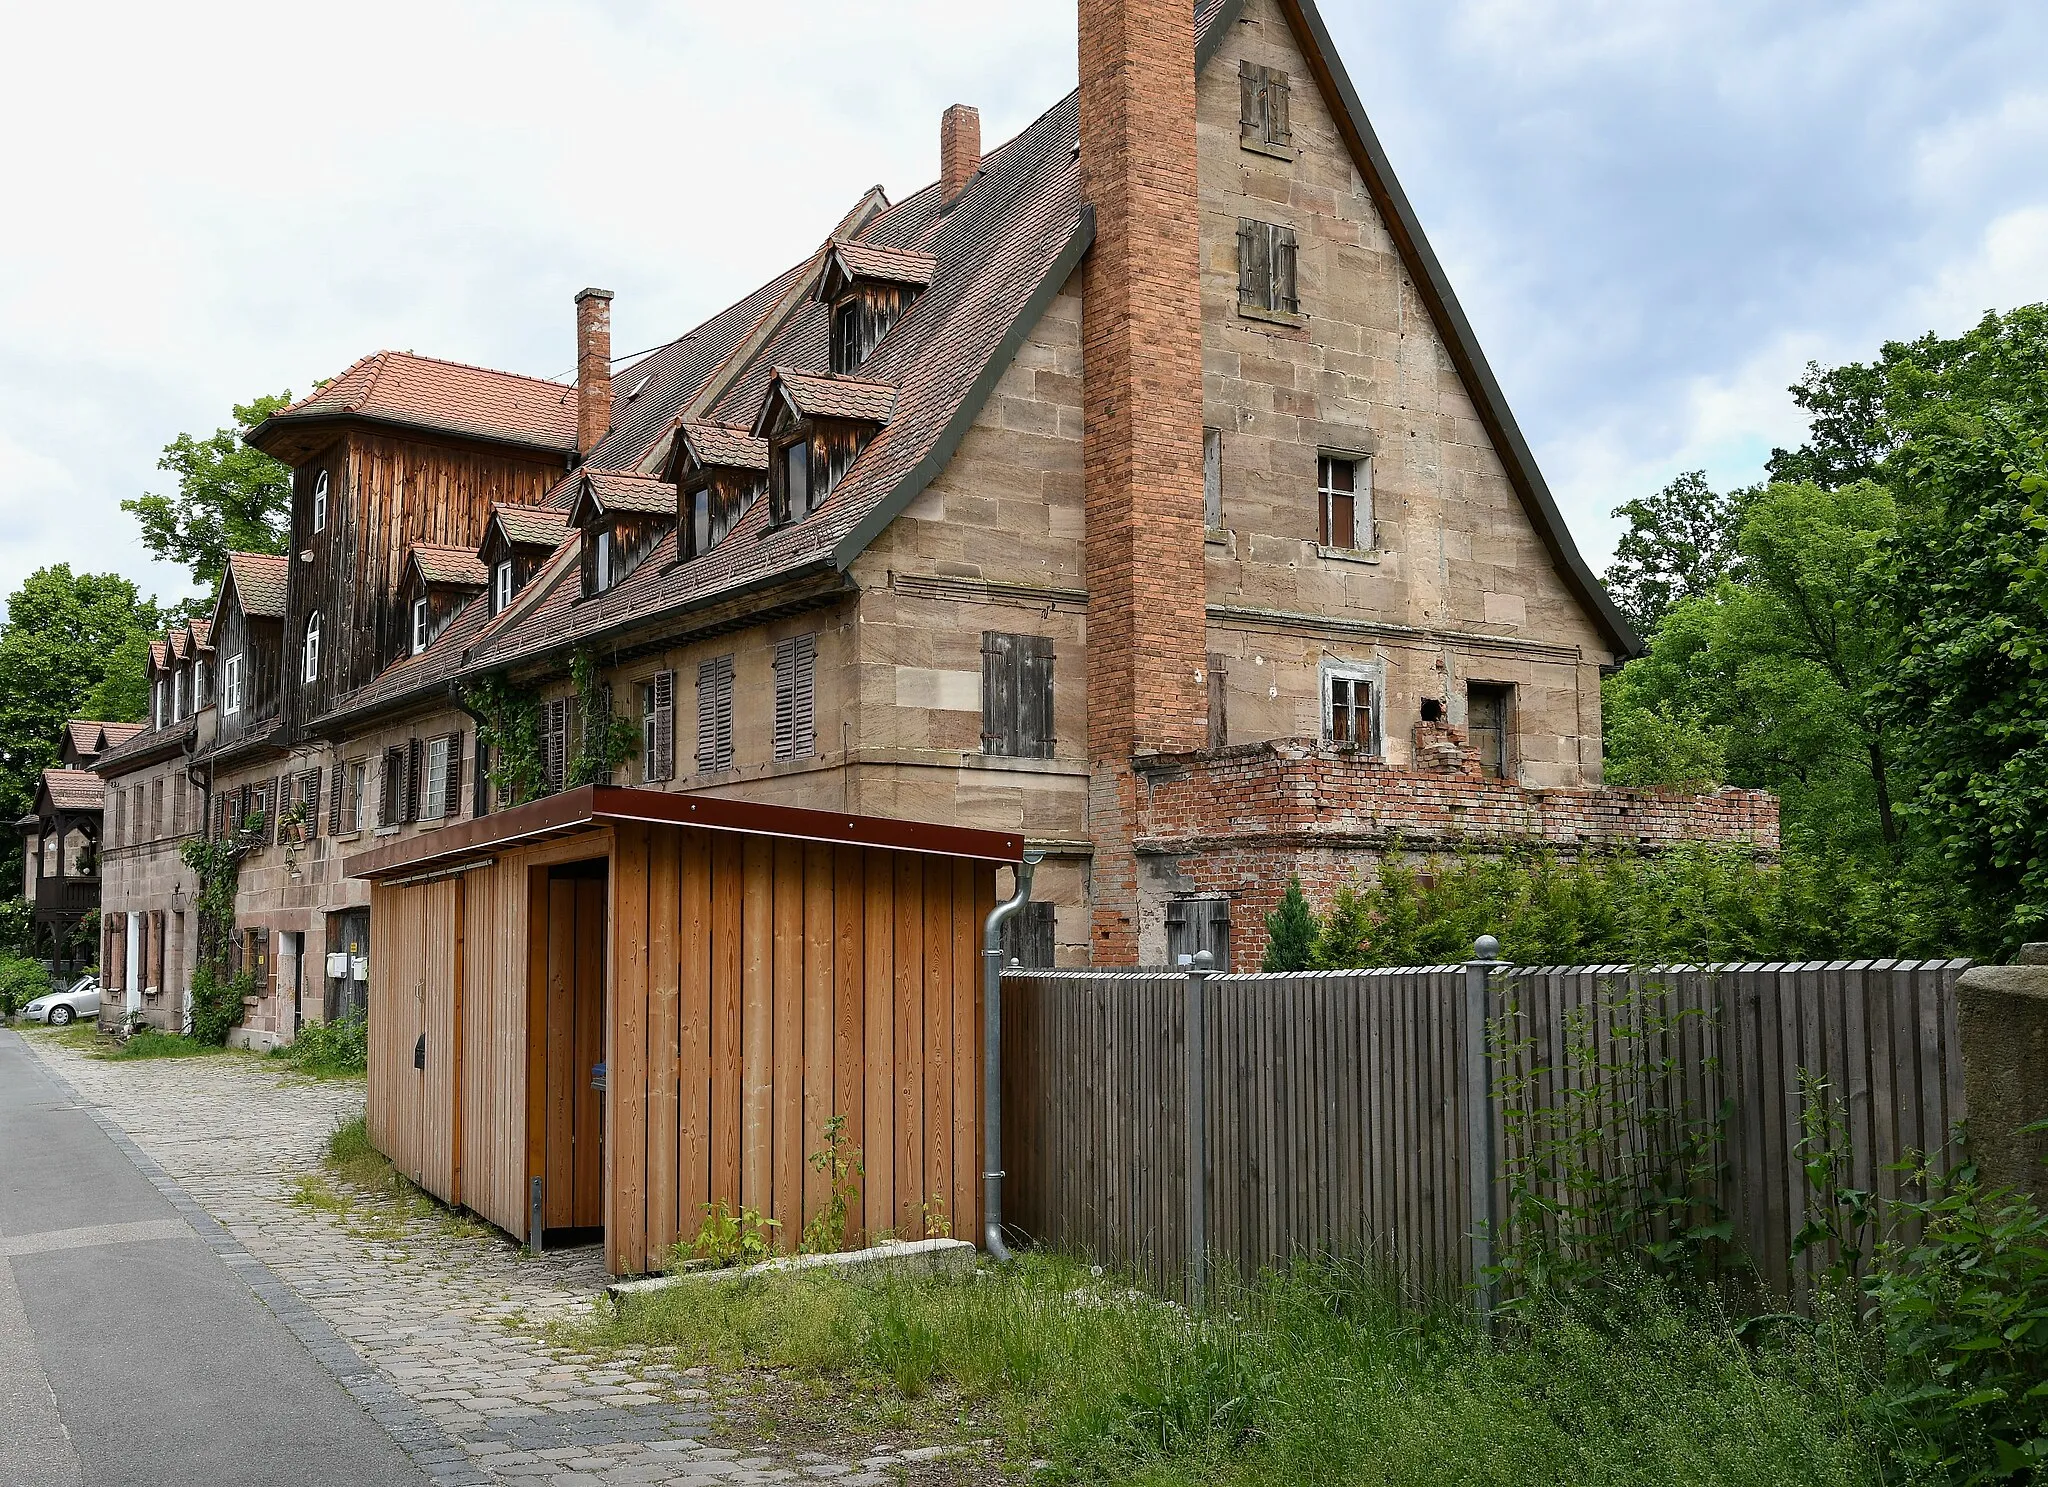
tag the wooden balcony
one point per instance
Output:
(61, 897)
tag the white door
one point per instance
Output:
(133, 980)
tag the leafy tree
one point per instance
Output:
(63, 632)
(122, 695)
(1290, 932)
(231, 498)
(1680, 544)
(1664, 746)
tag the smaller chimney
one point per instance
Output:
(959, 150)
(593, 367)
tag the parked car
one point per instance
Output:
(80, 999)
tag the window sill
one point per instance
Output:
(388, 830)
(1369, 556)
(1255, 146)
(1272, 317)
(1217, 536)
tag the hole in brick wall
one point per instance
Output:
(1432, 710)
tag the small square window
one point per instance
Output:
(1350, 716)
(1344, 501)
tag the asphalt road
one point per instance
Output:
(129, 1353)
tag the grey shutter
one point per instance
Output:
(414, 757)
(1284, 296)
(663, 764)
(1250, 123)
(785, 697)
(725, 712)
(554, 730)
(451, 790)
(1034, 697)
(480, 780)
(340, 783)
(1280, 130)
(314, 779)
(714, 714)
(1212, 478)
(998, 696)
(1254, 265)
(1219, 705)
(805, 742)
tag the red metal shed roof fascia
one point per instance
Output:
(600, 805)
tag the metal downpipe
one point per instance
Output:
(992, 1173)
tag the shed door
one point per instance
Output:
(415, 1042)
(572, 1173)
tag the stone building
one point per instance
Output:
(1139, 486)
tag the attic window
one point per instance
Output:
(501, 586)
(419, 625)
(639, 387)
(1263, 122)
(320, 502)
(1266, 270)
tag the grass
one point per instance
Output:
(338, 1050)
(373, 1198)
(1315, 1377)
(149, 1043)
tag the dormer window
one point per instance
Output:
(816, 428)
(162, 712)
(602, 563)
(868, 288)
(320, 502)
(178, 698)
(848, 351)
(231, 686)
(623, 519)
(501, 586)
(793, 464)
(420, 622)
(722, 471)
(516, 542)
(309, 669)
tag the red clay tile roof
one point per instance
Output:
(723, 447)
(160, 655)
(259, 582)
(531, 526)
(74, 789)
(616, 492)
(858, 260)
(449, 565)
(89, 737)
(821, 395)
(140, 742)
(202, 633)
(447, 396)
(180, 642)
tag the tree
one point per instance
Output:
(231, 498)
(62, 634)
(1290, 933)
(1680, 543)
(122, 695)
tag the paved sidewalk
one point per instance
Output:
(446, 1318)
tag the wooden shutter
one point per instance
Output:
(1284, 295)
(714, 714)
(998, 695)
(334, 800)
(156, 948)
(451, 790)
(480, 780)
(796, 696)
(1254, 264)
(663, 765)
(1219, 706)
(1028, 937)
(1034, 697)
(410, 794)
(1280, 128)
(1250, 122)
(806, 696)
(315, 778)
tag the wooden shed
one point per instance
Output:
(602, 1011)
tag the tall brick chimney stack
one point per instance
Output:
(959, 150)
(1142, 440)
(593, 367)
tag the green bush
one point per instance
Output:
(1290, 932)
(217, 1004)
(21, 982)
(329, 1050)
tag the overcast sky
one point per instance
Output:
(1655, 211)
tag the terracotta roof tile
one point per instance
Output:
(617, 492)
(531, 526)
(821, 395)
(398, 387)
(137, 739)
(116, 734)
(202, 633)
(160, 655)
(259, 582)
(889, 265)
(721, 446)
(74, 789)
(449, 565)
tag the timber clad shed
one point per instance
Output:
(740, 972)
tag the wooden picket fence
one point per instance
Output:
(1336, 1109)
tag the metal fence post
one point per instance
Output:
(1196, 1123)
(1479, 1153)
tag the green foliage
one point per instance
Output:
(329, 1050)
(217, 1003)
(21, 982)
(1965, 1312)
(1679, 544)
(508, 724)
(1290, 932)
(1317, 1375)
(1692, 904)
(231, 498)
(1663, 747)
(608, 740)
(62, 634)
(16, 927)
(727, 1239)
(839, 1162)
(216, 864)
(148, 1043)
(122, 694)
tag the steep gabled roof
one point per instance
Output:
(718, 446)
(853, 259)
(202, 633)
(607, 491)
(259, 580)
(531, 526)
(448, 397)
(74, 789)
(457, 566)
(822, 395)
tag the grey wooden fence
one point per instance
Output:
(1335, 1102)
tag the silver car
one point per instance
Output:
(80, 999)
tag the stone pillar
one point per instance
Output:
(2003, 1012)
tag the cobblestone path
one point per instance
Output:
(444, 1318)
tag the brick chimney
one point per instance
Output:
(1142, 440)
(593, 367)
(959, 150)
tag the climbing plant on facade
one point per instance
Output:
(508, 726)
(608, 740)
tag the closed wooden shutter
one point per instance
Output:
(480, 780)
(795, 696)
(314, 779)
(451, 792)
(1284, 295)
(714, 714)
(334, 800)
(1254, 264)
(555, 742)
(1034, 697)
(156, 948)
(1197, 924)
(1028, 937)
(409, 792)
(1280, 130)
(1016, 696)
(1250, 121)
(662, 766)
(1219, 708)
(998, 695)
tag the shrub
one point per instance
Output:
(329, 1050)
(21, 982)
(1290, 932)
(217, 1004)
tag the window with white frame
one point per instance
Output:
(231, 686)
(309, 670)
(163, 713)
(320, 502)
(1350, 707)
(419, 625)
(501, 587)
(434, 794)
(1344, 501)
(178, 698)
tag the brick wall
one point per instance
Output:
(1243, 821)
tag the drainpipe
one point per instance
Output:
(992, 1060)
